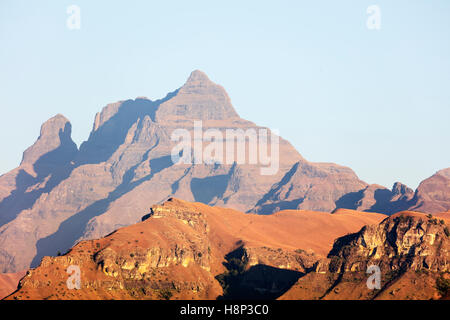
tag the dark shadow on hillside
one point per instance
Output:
(350, 200)
(59, 163)
(103, 142)
(259, 282)
(270, 208)
(176, 185)
(51, 168)
(205, 190)
(399, 205)
(382, 201)
(72, 229)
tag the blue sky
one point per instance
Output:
(377, 101)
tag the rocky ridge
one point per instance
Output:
(180, 250)
(60, 195)
(410, 249)
(187, 250)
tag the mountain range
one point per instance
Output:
(61, 194)
(184, 250)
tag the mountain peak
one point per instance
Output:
(55, 133)
(198, 75)
(401, 189)
(198, 98)
(444, 172)
(56, 124)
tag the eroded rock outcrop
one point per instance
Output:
(410, 250)
(183, 250)
(405, 241)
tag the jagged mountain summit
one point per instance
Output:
(61, 194)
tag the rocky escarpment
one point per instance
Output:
(376, 198)
(310, 187)
(431, 196)
(410, 249)
(44, 164)
(60, 195)
(188, 251)
(139, 261)
(167, 255)
(192, 251)
(406, 241)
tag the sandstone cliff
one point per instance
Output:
(189, 250)
(410, 249)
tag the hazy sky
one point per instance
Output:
(375, 100)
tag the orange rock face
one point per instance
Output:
(411, 251)
(185, 250)
(180, 249)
